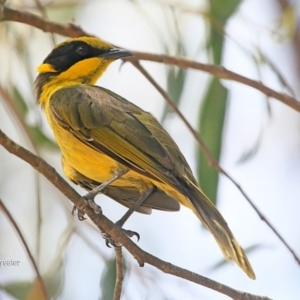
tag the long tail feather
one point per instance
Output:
(215, 223)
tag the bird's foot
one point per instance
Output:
(91, 203)
(80, 213)
(97, 209)
(109, 241)
(90, 196)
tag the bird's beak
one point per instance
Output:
(116, 53)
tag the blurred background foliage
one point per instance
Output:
(71, 254)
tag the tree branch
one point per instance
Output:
(105, 225)
(69, 29)
(31, 258)
(72, 30)
(219, 72)
(212, 161)
(119, 273)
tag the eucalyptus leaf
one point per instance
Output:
(108, 280)
(18, 289)
(213, 108)
(212, 115)
(19, 101)
(175, 81)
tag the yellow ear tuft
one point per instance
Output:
(45, 68)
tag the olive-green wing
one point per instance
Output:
(111, 124)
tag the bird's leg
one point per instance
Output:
(90, 196)
(93, 193)
(121, 222)
(134, 206)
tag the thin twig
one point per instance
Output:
(261, 215)
(8, 101)
(43, 11)
(72, 30)
(212, 161)
(105, 225)
(119, 273)
(219, 72)
(33, 262)
(69, 29)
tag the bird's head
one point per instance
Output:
(75, 61)
(81, 60)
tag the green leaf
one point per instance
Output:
(175, 81)
(19, 101)
(32, 289)
(222, 11)
(53, 280)
(55, 277)
(212, 115)
(249, 153)
(20, 105)
(219, 13)
(18, 289)
(264, 59)
(41, 139)
(108, 280)
(213, 108)
(287, 23)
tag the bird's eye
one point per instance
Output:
(82, 50)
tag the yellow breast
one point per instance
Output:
(99, 167)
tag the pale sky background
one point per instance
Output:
(270, 178)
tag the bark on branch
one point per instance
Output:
(72, 30)
(105, 225)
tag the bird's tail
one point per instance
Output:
(215, 223)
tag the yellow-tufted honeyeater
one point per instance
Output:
(103, 136)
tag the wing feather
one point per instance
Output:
(109, 123)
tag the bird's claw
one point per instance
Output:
(80, 214)
(109, 241)
(131, 234)
(97, 209)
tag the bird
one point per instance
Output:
(107, 141)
